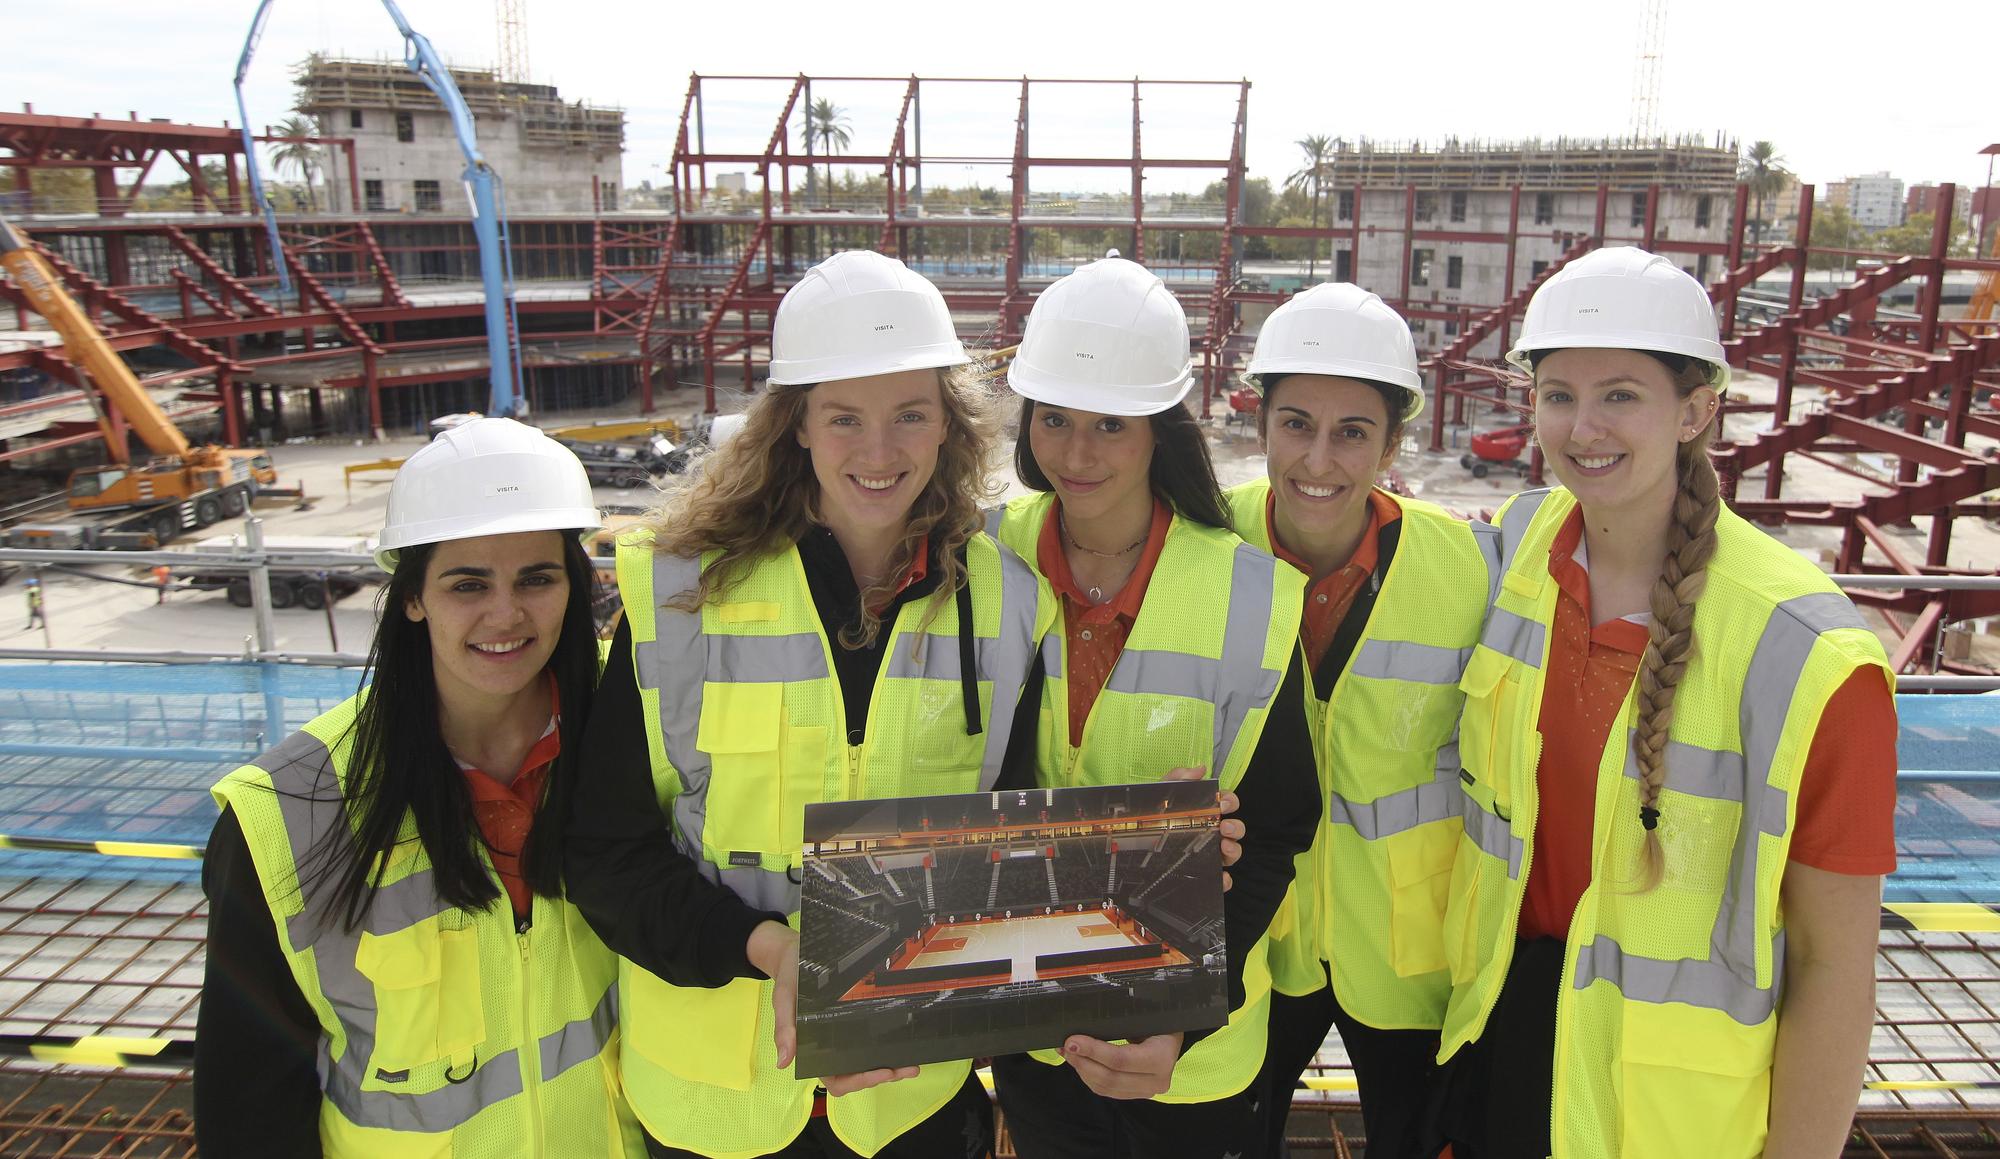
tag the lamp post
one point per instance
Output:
(1986, 200)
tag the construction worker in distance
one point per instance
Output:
(1678, 782)
(162, 576)
(1175, 651)
(391, 968)
(1396, 591)
(787, 615)
(34, 590)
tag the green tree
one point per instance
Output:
(1914, 237)
(1762, 169)
(300, 155)
(826, 127)
(1312, 176)
(1835, 228)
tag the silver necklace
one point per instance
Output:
(1097, 595)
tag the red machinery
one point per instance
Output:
(1502, 447)
(1243, 404)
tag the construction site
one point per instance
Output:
(319, 348)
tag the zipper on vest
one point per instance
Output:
(853, 792)
(531, 1047)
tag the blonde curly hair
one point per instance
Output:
(757, 494)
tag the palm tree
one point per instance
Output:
(1318, 153)
(826, 125)
(1763, 171)
(297, 154)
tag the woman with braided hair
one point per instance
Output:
(1678, 781)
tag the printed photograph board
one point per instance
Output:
(964, 926)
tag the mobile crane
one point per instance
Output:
(141, 504)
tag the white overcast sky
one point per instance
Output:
(1842, 87)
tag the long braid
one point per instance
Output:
(1690, 545)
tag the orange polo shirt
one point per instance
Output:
(1846, 820)
(1096, 633)
(506, 813)
(1329, 600)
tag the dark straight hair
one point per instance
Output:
(399, 766)
(1181, 475)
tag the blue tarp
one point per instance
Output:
(127, 752)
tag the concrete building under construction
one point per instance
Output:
(555, 156)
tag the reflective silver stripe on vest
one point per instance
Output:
(1727, 979)
(581, 1040)
(1400, 811)
(1238, 684)
(1492, 834)
(1487, 538)
(1514, 524)
(993, 517)
(1515, 636)
(301, 770)
(675, 663)
(1410, 662)
(765, 659)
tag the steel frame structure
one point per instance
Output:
(677, 294)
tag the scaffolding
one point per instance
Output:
(328, 83)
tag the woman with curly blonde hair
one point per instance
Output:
(816, 617)
(1677, 782)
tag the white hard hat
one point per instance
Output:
(1109, 338)
(856, 314)
(1623, 298)
(1341, 329)
(485, 477)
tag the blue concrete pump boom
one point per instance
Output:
(250, 147)
(482, 187)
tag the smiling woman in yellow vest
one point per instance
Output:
(391, 969)
(818, 617)
(1397, 591)
(1175, 640)
(1663, 915)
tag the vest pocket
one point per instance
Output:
(1420, 863)
(1460, 931)
(699, 1035)
(427, 1002)
(1694, 1082)
(740, 730)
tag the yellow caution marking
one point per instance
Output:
(100, 1050)
(1329, 1083)
(1932, 1085)
(149, 849)
(153, 849)
(1947, 917)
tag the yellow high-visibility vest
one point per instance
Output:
(1369, 897)
(1193, 687)
(1666, 1020)
(441, 1032)
(746, 726)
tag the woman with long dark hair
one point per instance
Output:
(392, 969)
(817, 616)
(1397, 593)
(1678, 781)
(1176, 649)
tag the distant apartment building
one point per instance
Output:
(1876, 200)
(1923, 198)
(552, 156)
(1470, 189)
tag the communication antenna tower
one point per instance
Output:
(1646, 69)
(513, 39)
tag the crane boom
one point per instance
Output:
(85, 346)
